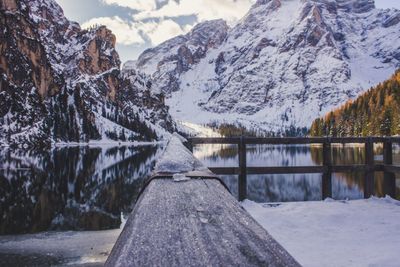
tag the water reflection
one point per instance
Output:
(82, 188)
(78, 188)
(295, 187)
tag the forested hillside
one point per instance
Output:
(376, 112)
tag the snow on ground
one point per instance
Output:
(335, 233)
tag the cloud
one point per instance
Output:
(126, 33)
(158, 32)
(135, 33)
(140, 5)
(230, 10)
(155, 21)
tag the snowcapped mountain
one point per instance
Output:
(59, 83)
(284, 64)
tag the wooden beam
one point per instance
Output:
(284, 141)
(225, 170)
(327, 175)
(291, 140)
(194, 223)
(300, 169)
(285, 170)
(389, 183)
(391, 168)
(369, 181)
(356, 168)
(242, 170)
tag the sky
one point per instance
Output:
(141, 24)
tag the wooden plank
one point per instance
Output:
(284, 141)
(327, 175)
(290, 140)
(392, 168)
(369, 182)
(355, 168)
(299, 169)
(285, 170)
(194, 223)
(389, 183)
(242, 170)
(394, 140)
(225, 170)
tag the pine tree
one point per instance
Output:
(376, 112)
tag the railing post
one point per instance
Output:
(190, 145)
(327, 175)
(369, 182)
(389, 177)
(243, 171)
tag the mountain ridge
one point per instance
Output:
(272, 72)
(60, 83)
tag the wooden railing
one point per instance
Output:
(327, 168)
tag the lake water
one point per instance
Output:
(91, 189)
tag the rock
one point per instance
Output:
(284, 64)
(59, 83)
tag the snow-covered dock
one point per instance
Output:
(188, 220)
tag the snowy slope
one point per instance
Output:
(274, 70)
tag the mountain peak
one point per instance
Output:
(60, 83)
(179, 54)
(283, 58)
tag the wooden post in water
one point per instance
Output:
(369, 183)
(327, 175)
(243, 170)
(189, 144)
(389, 177)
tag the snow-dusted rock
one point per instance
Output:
(59, 83)
(284, 64)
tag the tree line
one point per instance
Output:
(374, 113)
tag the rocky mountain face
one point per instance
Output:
(59, 83)
(284, 64)
(167, 62)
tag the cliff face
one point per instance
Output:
(60, 83)
(281, 66)
(168, 61)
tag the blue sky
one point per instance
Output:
(140, 24)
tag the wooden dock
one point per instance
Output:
(327, 167)
(192, 222)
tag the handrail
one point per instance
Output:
(327, 168)
(291, 140)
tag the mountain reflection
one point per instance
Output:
(74, 188)
(293, 187)
(82, 188)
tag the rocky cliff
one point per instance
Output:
(60, 83)
(284, 64)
